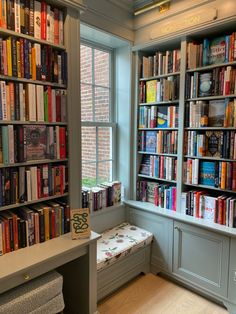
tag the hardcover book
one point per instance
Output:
(35, 142)
(213, 143)
(162, 117)
(216, 114)
(151, 141)
(210, 208)
(207, 173)
(151, 91)
(217, 50)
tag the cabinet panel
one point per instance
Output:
(162, 229)
(232, 272)
(202, 257)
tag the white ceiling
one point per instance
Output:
(130, 5)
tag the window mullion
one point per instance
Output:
(96, 154)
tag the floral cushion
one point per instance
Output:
(119, 242)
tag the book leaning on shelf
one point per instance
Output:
(32, 224)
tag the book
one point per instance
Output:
(210, 208)
(207, 173)
(151, 91)
(162, 117)
(213, 143)
(216, 113)
(217, 50)
(151, 139)
(35, 142)
(80, 223)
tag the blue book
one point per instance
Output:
(151, 141)
(162, 117)
(207, 173)
(205, 56)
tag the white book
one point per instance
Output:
(32, 102)
(28, 185)
(34, 183)
(195, 171)
(11, 152)
(4, 100)
(37, 19)
(61, 28)
(22, 101)
(183, 203)
(53, 105)
(210, 207)
(40, 102)
(17, 15)
(48, 34)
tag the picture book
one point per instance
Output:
(216, 113)
(151, 141)
(162, 117)
(207, 173)
(35, 142)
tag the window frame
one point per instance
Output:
(112, 110)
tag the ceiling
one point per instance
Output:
(130, 5)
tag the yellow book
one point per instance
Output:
(223, 175)
(46, 210)
(33, 59)
(151, 91)
(9, 57)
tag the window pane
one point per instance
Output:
(102, 104)
(86, 103)
(88, 144)
(104, 171)
(86, 64)
(104, 143)
(101, 68)
(89, 175)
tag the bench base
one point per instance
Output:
(119, 273)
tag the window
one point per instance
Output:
(97, 115)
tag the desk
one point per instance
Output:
(74, 259)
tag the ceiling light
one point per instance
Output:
(162, 5)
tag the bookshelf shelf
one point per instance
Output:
(209, 128)
(3, 122)
(213, 66)
(210, 158)
(155, 178)
(157, 154)
(159, 76)
(210, 188)
(7, 32)
(169, 102)
(160, 129)
(45, 199)
(36, 82)
(212, 97)
(34, 162)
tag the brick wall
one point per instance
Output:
(99, 93)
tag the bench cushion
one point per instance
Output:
(120, 241)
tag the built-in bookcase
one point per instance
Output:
(33, 124)
(189, 165)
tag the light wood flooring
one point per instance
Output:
(149, 294)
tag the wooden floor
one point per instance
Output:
(149, 294)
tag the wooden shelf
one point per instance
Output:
(160, 129)
(160, 103)
(44, 199)
(209, 128)
(207, 187)
(159, 76)
(25, 80)
(213, 66)
(33, 122)
(212, 97)
(8, 32)
(157, 154)
(155, 178)
(33, 162)
(210, 158)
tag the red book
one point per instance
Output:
(58, 106)
(15, 231)
(62, 141)
(49, 104)
(56, 26)
(7, 235)
(219, 218)
(43, 20)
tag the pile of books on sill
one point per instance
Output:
(103, 195)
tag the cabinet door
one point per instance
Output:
(162, 229)
(202, 257)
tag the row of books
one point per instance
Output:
(18, 185)
(162, 195)
(211, 51)
(21, 58)
(158, 116)
(218, 174)
(34, 18)
(161, 63)
(104, 195)
(161, 167)
(165, 89)
(161, 142)
(215, 113)
(31, 142)
(32, 225)
(30, 102)
(221, 144)
(219, 81)
(221, 209)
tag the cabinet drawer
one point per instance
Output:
(202, 257)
